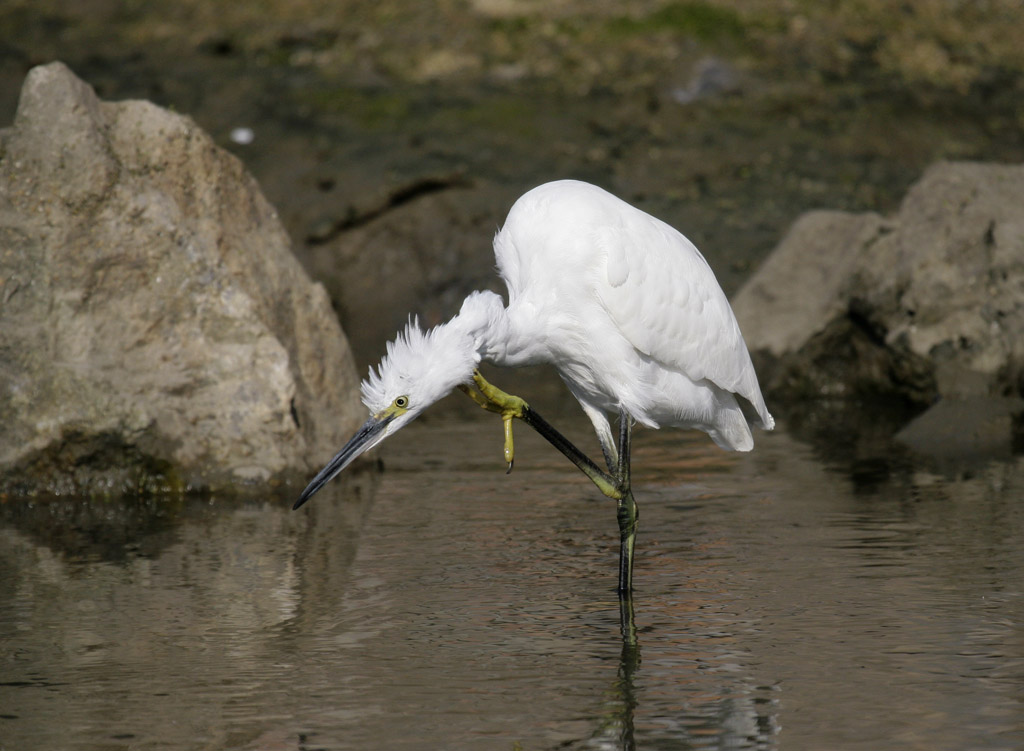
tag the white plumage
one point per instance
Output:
(628, 312)
(621, 304)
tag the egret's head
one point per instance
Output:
(420, 368)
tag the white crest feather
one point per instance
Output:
(422, 365)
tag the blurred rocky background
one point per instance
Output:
(391, 138)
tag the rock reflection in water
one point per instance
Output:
(443, 604)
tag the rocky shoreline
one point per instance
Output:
(116, 380)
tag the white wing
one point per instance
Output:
(663, 296)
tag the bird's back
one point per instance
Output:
(630, 307)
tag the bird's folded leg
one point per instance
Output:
(493, 399)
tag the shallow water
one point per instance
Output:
(442, 604)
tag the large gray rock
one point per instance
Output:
(940, 284)
(155, 329)
(801, 287)
(927, 304)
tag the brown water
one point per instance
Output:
(444, 605)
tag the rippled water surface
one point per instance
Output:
(441, 604)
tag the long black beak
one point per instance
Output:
(366, 437)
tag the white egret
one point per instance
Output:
(621, 304)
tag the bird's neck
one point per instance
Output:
(496, 335)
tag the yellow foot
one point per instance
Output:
(493, 399)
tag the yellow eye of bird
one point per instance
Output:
(402, 402)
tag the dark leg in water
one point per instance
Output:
(615, 483)
(629, 663)
(627, 511)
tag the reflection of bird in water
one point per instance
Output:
(622, 305)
